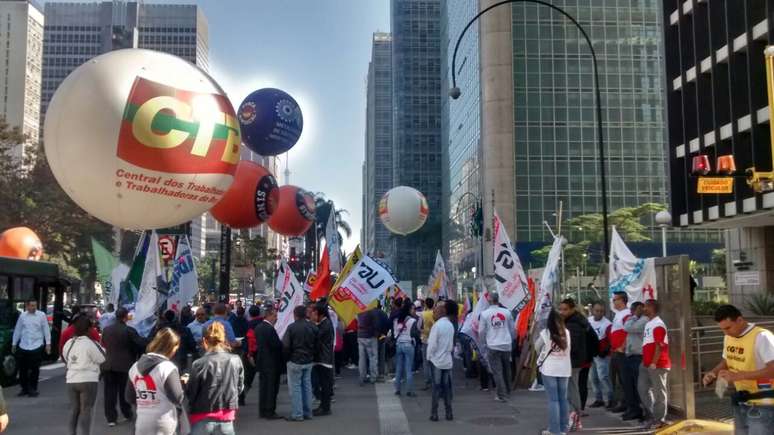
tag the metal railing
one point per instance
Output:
(707, 344)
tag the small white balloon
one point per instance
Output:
(403, 210)
(142, 139)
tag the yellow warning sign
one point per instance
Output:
(715, 185)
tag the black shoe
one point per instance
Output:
(397, 393)
(618, 409)
(627, 417)
(449, 416)
(610, 406)
(241, 401)
(597, 404)
(33, 394)
(426, 387)
(22, 393)
(320, 412)
(273, 416)
(434, 417)
(411, 394)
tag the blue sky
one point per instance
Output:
(318, 51)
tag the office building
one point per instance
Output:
(717, 106)
(378, 165)
(21, 60)
(417, 157)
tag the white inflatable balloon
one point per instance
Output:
(403, 210)
(142, 139)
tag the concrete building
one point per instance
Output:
(378, 165)
(21, 61)
(717, 106)
(417, 156)
(78, 31)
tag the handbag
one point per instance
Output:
(391, 346)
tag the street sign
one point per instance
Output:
(752, 277)
(715, 185)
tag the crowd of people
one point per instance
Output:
(193, 371)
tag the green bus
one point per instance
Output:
(21, 280)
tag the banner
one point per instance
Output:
(342, 303)
(311, 277)
(470, 326)
(509, 275)
(332, 242)
(153, 289)
(438, 282)
(369, 279)
(105, 262)
(185, 283)
(130, 286)
(548, 281)
(635, 276)
(291, 296)
(322, 281)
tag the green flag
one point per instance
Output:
(105, 262)
(131, 286)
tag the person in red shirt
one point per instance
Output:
(652, 380)
(69, 332)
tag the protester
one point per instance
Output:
(123, 346)
(187, 343)
(69, 331)
(618, 345)
(82, 357)
(652, 382)
(367, 342)
(581, 354)
(108, 317)
(3, 413)
(213, 388)
(339, 353)
(239, 322)
(440, 344)
(248, 358)
(600, 369)
(351, 351)
(197, 328)
(385, 325)
(554, 362)
(186, 315)
(497, 329)
(221, 315)
(404, 332)
(31, 336)
(323, 367)
(268, 363)
(299, 345)
(748, 363)
(634, 327)
(426, 322)
(155, 388)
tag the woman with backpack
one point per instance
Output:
(553, 347)
(404, 333)
(82, 357)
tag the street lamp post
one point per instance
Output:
(455, 93)
(664, 220)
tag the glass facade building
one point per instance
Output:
(417, 156)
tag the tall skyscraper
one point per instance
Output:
(538, 125)
(417, 159)
(77, 32)
(378, 166)
(21, 60)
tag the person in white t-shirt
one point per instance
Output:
(600, 369)
(496, 326)
(553, 349)
(82, 357)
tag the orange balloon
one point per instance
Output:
(250, 200)
(295, 211)
(20, 242)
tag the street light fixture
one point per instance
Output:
(664, 220)
(455, 93)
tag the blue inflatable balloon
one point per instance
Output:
(271, 121)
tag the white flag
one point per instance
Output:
(548, 281)
(635, 276)
(117, 276)
(332, 242)
(153, 289)
(471, 325)
(438, 282)
(511, 281)
(291, 296)
(369, 279)
(185, 283)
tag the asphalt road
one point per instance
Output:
(369, 409)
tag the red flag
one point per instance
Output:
(522, 325)
(322, 285)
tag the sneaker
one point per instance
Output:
(112, 424)
(499, 399)
(619, 409)
(484, 389)
(545, 432)
(536, 388)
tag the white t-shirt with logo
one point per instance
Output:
(554, 361)
(496, 326)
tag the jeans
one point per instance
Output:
(629, 375)
(753, 419)
(426, 369)
(652, 388)
(573, 393)
(600, 378)
(82, 397)
(300, 390)
(324, 377)
(115, 385)
(367, 363)
(500, 363)
(404, 361)
(212, 427)
(558, 409)
(28, 362)
(442, 388)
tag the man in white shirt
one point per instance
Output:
(440, 344)
(497, 329)
(30, 336)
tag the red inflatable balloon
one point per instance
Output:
(250, 200)
(20, 242)
(295, 211)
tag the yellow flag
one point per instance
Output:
(344, 306)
